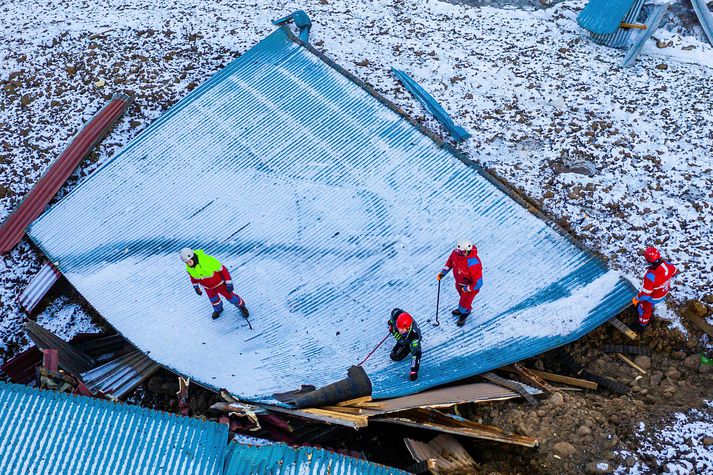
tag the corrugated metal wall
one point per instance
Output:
(603, 16)
(281, 459)
(46, 432)
(330, 209)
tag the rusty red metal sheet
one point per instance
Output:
(12, 230)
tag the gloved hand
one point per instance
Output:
(391, 327)
(413, 375)
(229, 286)
(198, 290)
(440, 276)
(635, 301)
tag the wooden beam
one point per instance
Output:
(529, 376)
(558, 378)
(360, 411)
(637, 26)
(435, 420)
(354, 402)
(321, 415)
(619, 325)
(630, 363)
(701, 323)
(518, 388)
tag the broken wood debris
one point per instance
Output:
(627, 350)
(444, 455)
(529, 376)
(558, 378)
(619, 325)
(450, 424)
(630, 363)
(700, 323)
(518, 388)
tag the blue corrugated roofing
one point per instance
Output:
(603, 16)
(46, 432)
(330, 209)
(281, 459)
(705, 17)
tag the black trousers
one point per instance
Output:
(399, 352)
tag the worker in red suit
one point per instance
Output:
(208, 272)
(468, 274)
(657, 282)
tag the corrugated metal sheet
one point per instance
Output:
(70, 359)
(330, 209)
(46, 432)
(705, 17)
(653, 19)
(38, 287)
(621, 37)
(281, 459)
(603, 16)
(12, 230)
(120, 376)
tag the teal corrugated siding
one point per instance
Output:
(46, 432)
(603, 16)
(329, 208)
(281, 459)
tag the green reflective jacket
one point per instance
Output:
(206, 267)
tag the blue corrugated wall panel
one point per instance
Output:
(281, 459)
(46, 432)
(330, 209)
(603, 16)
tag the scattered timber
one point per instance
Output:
(630, 363)
(558, 378)
(444, 455)
(518, 388)
(619, 325)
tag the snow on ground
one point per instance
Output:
(682, 447)
(539, 98)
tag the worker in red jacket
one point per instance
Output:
(468, 274)
(657, 282)
(207, 271)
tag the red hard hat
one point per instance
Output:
(404, 321)
(652, 254)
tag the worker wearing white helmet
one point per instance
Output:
(468, 274)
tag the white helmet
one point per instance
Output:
(464, 246)
(187, 254)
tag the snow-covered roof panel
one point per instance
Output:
(51, 432)
(329, 208)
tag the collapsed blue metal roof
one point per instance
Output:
(46, 432)
(603, 16)
(281, 459)
(330, 208)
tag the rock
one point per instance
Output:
(644, 362)
(564, 449)
(598, 467)
(662, 66)
(708, 298)
(673, 374)
(100, 83)
(583, 431)
(71, 70)
(363, 63)
(697, 308)
(557, 399)
(630, 461)
(707, 441)
(705, 368)
(692, 361)
(678, 355)
(134, 123)
(25, 100)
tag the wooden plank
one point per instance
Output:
(328, 417)
(558, 378)
(354, 402)
(619, 325)
(372, 405)
(435, 420)
(518, 388)
(630, 363)
(360, 411)
(637, 26)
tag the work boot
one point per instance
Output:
(216, 313)
(244, 310)
(461, 319)
(455, 312)
(639, 328)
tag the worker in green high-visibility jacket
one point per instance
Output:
(207, 271)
